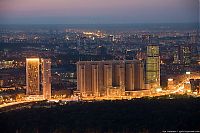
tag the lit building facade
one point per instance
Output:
(170, 84)
(33, 76)
(153, 67)
(109, 78)
(46, 78)
(37, 71)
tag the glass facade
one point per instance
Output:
(153, 66)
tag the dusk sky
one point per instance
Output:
(97, 11)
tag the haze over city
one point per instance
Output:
(98, 11)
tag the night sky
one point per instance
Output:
(97, 11)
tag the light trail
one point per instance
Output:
(15, 103)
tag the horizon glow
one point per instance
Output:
(98, 11)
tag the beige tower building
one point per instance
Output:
(46, 78)
(81, 79)
(130, 76)
(109, 78)
(32, 76)
(139, 76)
(119, 75)
(95, 79)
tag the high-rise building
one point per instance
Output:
(153, 67)
(33, 76)
(139, 76)
(33, 72)
(46, 78)
(129, 77)
(185, 54)
(109, 78)
(176, 54)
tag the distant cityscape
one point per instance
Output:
(60, 62)
(99, 66)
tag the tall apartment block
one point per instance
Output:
(109, 78)
(34, 75)
(153, 67)
(46, 78)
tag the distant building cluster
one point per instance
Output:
(105, 79)
(110, 63)
(4, 64)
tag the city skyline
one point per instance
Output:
(98, 12)
(83, 75)
(99, 66)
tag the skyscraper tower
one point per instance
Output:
(81, 79)
(32, 76)
(46, 78)
(153, 67)
(95, 83)
(139, 76)
(33, 72)
(107, 77)
(130, 76)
